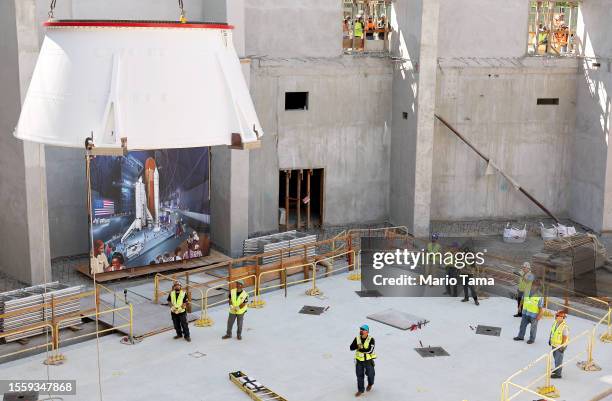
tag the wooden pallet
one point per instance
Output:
(263, 394)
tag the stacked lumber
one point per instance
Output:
(564, 259)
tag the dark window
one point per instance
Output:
(296, 100)
(548, 101)
(405, 115)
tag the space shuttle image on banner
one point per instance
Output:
(149, 207)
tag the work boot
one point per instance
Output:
(518, 315)
(225, 337)
(555, 376)
(177, 337)
(369, 388)
(476, 302)
(530, 341)
(188, 339)
(518, 339)
(464, 300)
(358, 394)
(239, 337)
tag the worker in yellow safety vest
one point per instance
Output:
(238, 302)
(177, 299)
(559, 336)
(524, 286)
(363, 345)
(433, 256)
(533, 305)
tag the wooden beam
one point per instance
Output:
(298, 199)
(287, 177)
(308, 175)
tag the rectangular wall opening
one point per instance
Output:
(550, 101)
(300, 198)
(296, 100)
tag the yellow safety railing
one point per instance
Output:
(314, 290)
(569, 303)
(129, 323)
(548, 391)
(283, 279)
(54, 324)
(37, 326)
(201, 322)
(207, 320)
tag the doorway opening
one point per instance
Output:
(300, 198)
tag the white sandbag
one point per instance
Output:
(565, 231)
(515, 235)
(548, 233)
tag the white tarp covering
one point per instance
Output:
(159, 87)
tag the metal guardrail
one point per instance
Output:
(54, 325)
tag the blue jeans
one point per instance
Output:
(558, 356)
(532, 331)
(361, 368)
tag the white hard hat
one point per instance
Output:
(526, 265)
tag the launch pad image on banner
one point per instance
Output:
(149, 207)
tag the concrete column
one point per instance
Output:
(426, 101)
(24, 232)
(415, 38)
(230, 169)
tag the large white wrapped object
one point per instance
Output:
(160, 85)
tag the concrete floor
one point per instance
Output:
(306, 357)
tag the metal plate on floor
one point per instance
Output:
(25, 396)
(430, 352)
(312, 310)
(488, 330)
(397, 319)
(369, 293)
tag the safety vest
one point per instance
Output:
(556, 334)
(358, 29)
(524, 285)
(530, 304)
(237, 300)
(433, 248)
(177, 303)
(362, 356)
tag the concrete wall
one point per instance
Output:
(488, 89)
(293, 28)
(591, 174)
(346, 130)
(495, 109)
(483, 28)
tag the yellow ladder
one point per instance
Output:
(262, 394)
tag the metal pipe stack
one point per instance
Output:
(16, 300)
(276, 242)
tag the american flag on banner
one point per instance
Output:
(104, 207)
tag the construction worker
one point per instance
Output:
(358, 32)
(533, 305)
(433, 255)
(363, 345)
(467, 273)
(559, 336)
(524, 286)
(451, 272)
(238, 302)
(178, 309)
